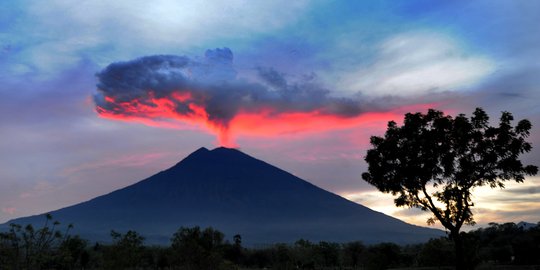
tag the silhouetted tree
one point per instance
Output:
(282, 257)
(328, 253)
(30, 248)
(304, 254)
(235, 252)
(353, 253)
(72, 254)
(196, 249)
(508, 244)
(433, 162)
(437, 252)
(383, 256)
(125, 252)
(258, 258)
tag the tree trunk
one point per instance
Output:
(458, 247)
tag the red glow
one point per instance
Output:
(182, 96)
(268, 124)
(163, 112)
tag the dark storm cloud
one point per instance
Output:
(212, 84)
(272, 77)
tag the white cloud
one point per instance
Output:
(418, 63)
(162, 23)
(168, 20)
(55, 35)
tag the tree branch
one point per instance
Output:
(435, 210)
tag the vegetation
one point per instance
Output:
(195, 248)
(43, 248)
(434, 161)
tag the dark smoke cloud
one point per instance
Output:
(212, 84)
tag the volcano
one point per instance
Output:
(236, 194)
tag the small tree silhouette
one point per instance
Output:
(196, 249)
(30, 248)
(126, 250)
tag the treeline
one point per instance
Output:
(194, 248)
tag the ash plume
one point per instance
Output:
(207, 90)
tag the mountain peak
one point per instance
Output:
(204, 157)
(223, 148)
(201, 150)
(227, 151)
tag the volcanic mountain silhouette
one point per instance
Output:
(236, 194)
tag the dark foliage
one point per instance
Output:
(48, 247)
(508, 243)
(194, 248)
(437, 158)
(126, 251)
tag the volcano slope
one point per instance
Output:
(236, 194)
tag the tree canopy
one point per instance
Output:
(434, 161)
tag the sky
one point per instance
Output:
(97, 95)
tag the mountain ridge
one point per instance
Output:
(236, 193)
